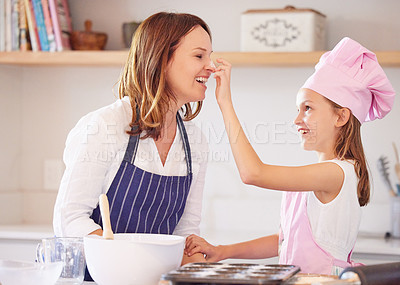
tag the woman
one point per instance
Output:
(137, 150)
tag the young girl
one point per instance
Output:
(320, 212)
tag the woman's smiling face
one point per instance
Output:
(190, 67)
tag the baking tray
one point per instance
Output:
(230, 273)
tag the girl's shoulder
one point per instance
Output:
(347, 166)
(345, 163)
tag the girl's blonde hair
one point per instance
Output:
(349, 146)
(143, 78)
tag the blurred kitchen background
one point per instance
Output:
(40, 105)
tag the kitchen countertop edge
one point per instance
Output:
(367, 243)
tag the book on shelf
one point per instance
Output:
(24, 42)
(49, 25)
(14, 25)
(7, 25)
(2, 26)
(33, 33)
(62, 24)
(40, 25)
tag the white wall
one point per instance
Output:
(53, 101)
(10, 142)
(50, 100)
(373, 22)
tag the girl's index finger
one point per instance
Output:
(223, 61)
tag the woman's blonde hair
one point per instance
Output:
(143, 78)
(349, 146)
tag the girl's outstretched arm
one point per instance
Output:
(246, 158)
(325, 177)
(264, 247)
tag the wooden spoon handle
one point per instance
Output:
(396, 152)
(105, 217)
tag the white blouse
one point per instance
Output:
(94, 151)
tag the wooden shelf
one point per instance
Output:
(67, 58)
(117, 58)
(293, 59)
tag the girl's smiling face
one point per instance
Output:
(316, 122)
(190, 67)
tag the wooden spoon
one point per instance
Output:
(105, 217)
(397, 164)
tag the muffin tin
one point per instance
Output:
(230, 273)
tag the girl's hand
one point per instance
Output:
(196, 244)
(222, 75)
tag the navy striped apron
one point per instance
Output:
(145, 202)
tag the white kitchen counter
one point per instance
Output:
(374, 249)
(26, 232)
(16, 238)
(366, 243)
(373, 243)
(18, 242)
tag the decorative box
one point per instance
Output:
(283, 30)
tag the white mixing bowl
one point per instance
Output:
(29, 273)
(132, 259)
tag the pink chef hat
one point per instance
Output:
(351, 76)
